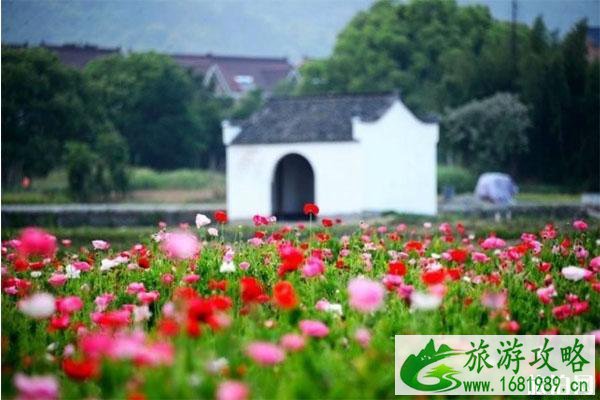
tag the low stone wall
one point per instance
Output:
(105, 215)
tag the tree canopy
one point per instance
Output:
(151, 101)
(439, 56)
(44, 104)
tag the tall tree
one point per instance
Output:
(44, 104)
(151, 101)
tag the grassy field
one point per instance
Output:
(200, 186)
(146, 186)
(195, 334)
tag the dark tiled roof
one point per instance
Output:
(266, 72)
(79, 56)
(324, 118)
(593, 36)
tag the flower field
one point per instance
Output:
(204, 310)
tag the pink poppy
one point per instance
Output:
(37, 387)
(82, 266)
(546, 294)
(265, 353)
(167, 279)
(244, 265)
(363, 337)
(365, 295)
(100, 245)
(180, 245)
(191, 278)
(36, 242)
(292, 342)
(232, 390)
(39, 305)
(495, 301)
(103, 301)
(148, 297)
(492, 242)
(480, 257)
(69, 304)
(314, 266)
(135, 287)
(57, 280)
(314, 328)
(595, 264)
(580, 225)
(573, 273)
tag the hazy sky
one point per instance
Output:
(292, 28)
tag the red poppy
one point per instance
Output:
(136, 396)
(168, 327)
(327, 223)
(310, 208)
(494, 278)
(544, 267)
(21, 264)
(284, 295)
(322, 237)
(59, 322)
(433, 277)
(199, 309)
(217, 285)
(291, 258)
(396, 268)
(458, 255)
(114, 319)
(221, 217)
(144, 262)
(220, 302)
(192, 327)
(455, 273)
(252, 291)
(510, 326)
(413, 245)
(80, 370)
(394, 237)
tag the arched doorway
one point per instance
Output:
(293, 186)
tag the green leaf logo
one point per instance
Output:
(409, 372)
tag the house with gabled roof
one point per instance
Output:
(229, 76)
(234, 76)
(349, 154)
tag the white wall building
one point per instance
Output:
(349, 154)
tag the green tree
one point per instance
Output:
(439, 56)
(247, 105)
(150, 99)
(44, 104)
(486, 135)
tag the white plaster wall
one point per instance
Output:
(400, 157)
(338, 170)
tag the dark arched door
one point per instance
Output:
(293, 186)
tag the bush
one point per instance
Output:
(81, 166)
(112, 163)
(100, 171)
(487, 134)
(460, 178)
(145, 178)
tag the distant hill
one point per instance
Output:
(293, 28)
